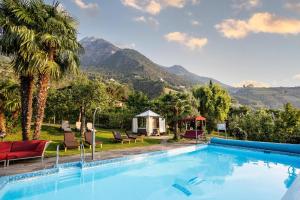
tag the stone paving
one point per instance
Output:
(24, 166)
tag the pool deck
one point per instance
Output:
(25, 166)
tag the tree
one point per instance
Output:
(175, 107)
(57, 39)
(214, 104)
(287, 124)
(9, 100)
(87, 95)
(138, 102)
(16, 41)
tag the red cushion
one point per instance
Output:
(25, 145)
(3, 156)
(5, 147)
(22, 154)
(192, 134)
(40, 147)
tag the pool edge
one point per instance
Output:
(5, 180)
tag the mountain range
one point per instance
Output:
(131, 67)
(135, 69)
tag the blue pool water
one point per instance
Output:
(212, 172)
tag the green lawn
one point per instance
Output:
(54, 134)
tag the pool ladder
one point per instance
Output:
(82, 153)
(57, 156)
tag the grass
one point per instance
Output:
(54, 134)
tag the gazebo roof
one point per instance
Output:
(148, 113)
(197, 118)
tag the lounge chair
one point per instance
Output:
(134, 137)
(142, 131)
(156, 132)
(88, 137)
(20, 150)
(191, 134)
(65, 126)
(89, 126)
(70, 141)
(78, 126)
(119, 138)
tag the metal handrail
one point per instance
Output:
(57, 156)
(94, 133)
(82, 153)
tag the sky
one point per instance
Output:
(234, 41)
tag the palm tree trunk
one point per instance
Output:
(15, 117)
(82, 126)
(41, 104)
(176, 135)
(26, 104)
(2, 121)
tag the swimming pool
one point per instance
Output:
(209, 172)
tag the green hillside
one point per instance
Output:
(268, 97)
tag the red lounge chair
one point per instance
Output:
(22, 150)
(191, 134)
(4, 149)
(88, 137)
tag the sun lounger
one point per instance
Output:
(65, 126)
(78, 126)
(119, 138)
(88, 137)
(134, 137)
(142, 131)
(70, 141)
(89, 126)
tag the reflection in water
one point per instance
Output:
(292, 176)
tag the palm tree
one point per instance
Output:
(17, 42)
(175, 107)
(42, 41)
(57, 36)
(9, 100)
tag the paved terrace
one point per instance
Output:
(24, 166)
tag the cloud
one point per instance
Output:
(293, 5)
(147, 20)
(245, 4)
(139, 19)
(296, 77)
(186, 40)
(175, 3)
(83, 5)
(252, 83)
(195, 23)
(125, 45)
(195, 2)
(259, 23)
(154, 7)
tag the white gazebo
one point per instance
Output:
(148, 123)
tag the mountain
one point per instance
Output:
(133, 68)
(194, 78)
(96, 50)
(131, 63)
(273, 97)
